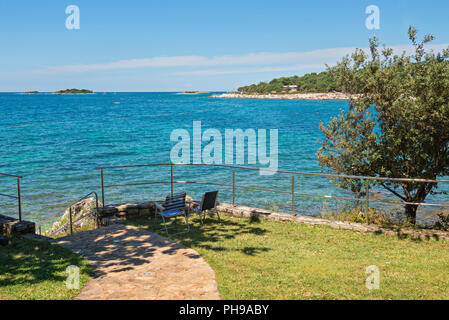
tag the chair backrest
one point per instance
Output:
(209, 200)
(176, 201)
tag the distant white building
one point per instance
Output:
(291, 87)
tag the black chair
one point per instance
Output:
(208, 203)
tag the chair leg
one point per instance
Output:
(201, 218)
(218, 215)
(165, 225)
(187, 221)
(155, 212)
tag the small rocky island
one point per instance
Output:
(30, 92)
(74, 91)
(191, 92)
(66, 91)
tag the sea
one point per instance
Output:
(57, 142)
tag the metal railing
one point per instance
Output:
(18, 197)
(70, 214)
(366, 179)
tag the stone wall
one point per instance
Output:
(111, 212)
(242, 211)
(10, 226)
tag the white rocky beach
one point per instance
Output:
(286, 96)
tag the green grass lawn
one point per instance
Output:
(286, 260)
(37, 270)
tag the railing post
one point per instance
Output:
(97, 222)
(233, 187)
(70, 214)
(367, 199)
(293, 194)
(19, 199)
(102, 188)
(171, 180)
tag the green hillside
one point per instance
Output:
(308, 83)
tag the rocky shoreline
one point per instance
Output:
(287, 96)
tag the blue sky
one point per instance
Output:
(156, 45)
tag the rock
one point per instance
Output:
(289, 96)
(4, 241)
(127, 207)
(4, 220)
(133, 212)
(124, 211)
(144, 212)
(18, 227)
(11, 226)
(83, 213)
(145, 205)
(107, 210)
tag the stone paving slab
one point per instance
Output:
(134, 264)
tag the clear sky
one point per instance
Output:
(172, 45)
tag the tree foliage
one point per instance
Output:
(399, 125)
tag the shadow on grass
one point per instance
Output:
(28, 262)
(211, 236)
(413, 235)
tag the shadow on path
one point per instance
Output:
(132, 263)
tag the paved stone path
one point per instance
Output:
(131, 263)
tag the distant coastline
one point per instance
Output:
(192, 92)
(286, 96)
(67, 91)
(30, 92)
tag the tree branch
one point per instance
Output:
(393, 192)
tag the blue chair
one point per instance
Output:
(174, 205)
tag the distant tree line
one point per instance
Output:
(309, 83)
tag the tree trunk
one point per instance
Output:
(410, 211)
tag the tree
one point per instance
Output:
(397, 123)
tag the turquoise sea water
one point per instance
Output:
(57, 141)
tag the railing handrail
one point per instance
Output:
(9, 196)
(39, 224)
(234, 186)
(272, 190)
(18, 197)
(10, 175)
(281, 171)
